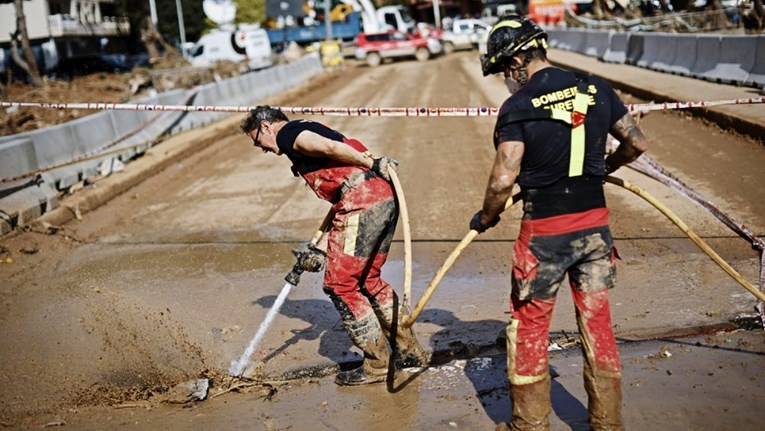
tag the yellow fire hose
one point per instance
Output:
(692, 235)
(407, 238)
(408, 320)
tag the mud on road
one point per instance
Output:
(170, 280)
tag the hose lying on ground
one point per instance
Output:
(408, 320)
(692, 235)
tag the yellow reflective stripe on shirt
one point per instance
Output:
(351, 233)
(576, 162)
(561, 115)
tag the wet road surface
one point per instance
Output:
(169, 281)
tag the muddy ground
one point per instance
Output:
(170, 281)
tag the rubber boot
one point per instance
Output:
(373, 370)
(531, 406)
(604, 392)
(407, 351)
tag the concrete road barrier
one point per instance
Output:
(685, 56)
(596, 43)
(707, 56)
(757, 73)
(729, 59)
(617, 48)
(64, 153)
(665, 51)
(634, 48)
(735, 60)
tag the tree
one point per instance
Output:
(759, 13)
(250, 11)
(28, 63)
(167, 19)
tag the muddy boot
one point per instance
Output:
(531, 406)
(373, 370)
(604, 392)
(407, 351)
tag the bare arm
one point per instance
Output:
(313, 144)
(632, 143)
(507, 166)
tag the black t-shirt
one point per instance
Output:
(301, 163)
(547, 143)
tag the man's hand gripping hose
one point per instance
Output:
(409, 320)
(311, 258)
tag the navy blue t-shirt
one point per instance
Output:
(301, 163)
(547, 143)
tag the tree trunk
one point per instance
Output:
(30, 65)
(597, 9)
(719, 20)
(148, 39)
(759, 12)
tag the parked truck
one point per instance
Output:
(347, 29)
(350, 18)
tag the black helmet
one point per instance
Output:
(511, 34)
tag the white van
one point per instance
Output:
(251, 45)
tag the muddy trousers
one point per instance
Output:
(372, 331)
(528, 367)
(406, 349)
(365, 332)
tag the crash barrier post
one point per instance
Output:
(616, 51)
(55, 158)
(756, 76)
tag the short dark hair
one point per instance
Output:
(259, 114)
(537, 54)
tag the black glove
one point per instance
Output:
(610, 169)
(475, 223)
(383, 165)
(311, 259)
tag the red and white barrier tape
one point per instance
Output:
(360, 111)
(650, 167)
(100, 151)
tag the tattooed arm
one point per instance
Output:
(507, 166)
(632, 143)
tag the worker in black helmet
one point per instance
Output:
(550, 138)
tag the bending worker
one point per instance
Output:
(550, 137)
(342, 171)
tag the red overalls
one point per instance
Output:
(359, 238)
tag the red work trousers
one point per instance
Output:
(358, 243)
(580, 246)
